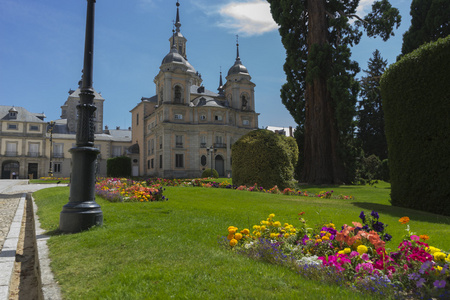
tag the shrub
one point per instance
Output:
(416, 102)
(118, 167)
(210, 173)
(264, 158)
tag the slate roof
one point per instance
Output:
(23, 115)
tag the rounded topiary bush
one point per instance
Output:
(118, 167)
(264, 158)
(416, 102)
(210, 173)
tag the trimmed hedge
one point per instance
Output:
(118, 167)
(210, 173)
(265, 158)
(416, 103)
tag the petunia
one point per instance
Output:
(440, 284)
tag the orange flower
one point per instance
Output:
(424, 237)
(404, 220)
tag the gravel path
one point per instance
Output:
(10, 193)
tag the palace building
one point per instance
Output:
(185, 128)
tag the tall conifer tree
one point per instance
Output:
(320, 91)
(370, 113)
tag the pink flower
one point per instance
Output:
(415, 238)
(365, 257)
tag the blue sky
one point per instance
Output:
(42, 44)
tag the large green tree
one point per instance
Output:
(430, 20)
(370, 114)
(321, 90)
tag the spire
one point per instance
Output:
(237, 47)
(220, 89)
(177, 23)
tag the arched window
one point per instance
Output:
(203, 160)
(177, 93)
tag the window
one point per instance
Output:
(160, 162)
(178, 141)
(177, 92)
(160, 142)
(219, 139)
(245, 122)
(203, 117)
(178, 117)
(218, 118)
(57, 167)
(116, 151)
(58, 150)
(12, 126)
(203, 160)
(34, 128)
(11, 149)
(33, 149)
(152, 146)
(137, 119)
(203, 141)
(152, 163)
(179, 161)
(244, 102)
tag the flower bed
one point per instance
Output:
(124, 190)
(354, 256)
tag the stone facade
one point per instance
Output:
(185, 128)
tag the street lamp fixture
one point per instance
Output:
(211, 150)
(82, 212)
(50, 130)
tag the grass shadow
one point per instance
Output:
(398, 212)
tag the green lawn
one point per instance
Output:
(170, 249)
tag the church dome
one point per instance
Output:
(173, 57)
(237, 68)
(190, 67)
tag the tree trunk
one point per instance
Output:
(322, 163)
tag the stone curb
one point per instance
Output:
(50, 289)
(8, 252)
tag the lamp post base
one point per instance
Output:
(77, 217)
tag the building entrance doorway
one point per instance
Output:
(32, 170)
(220, 165)
(10, 169)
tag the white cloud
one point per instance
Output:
(247, 18)
(365, 6)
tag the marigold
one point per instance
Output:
(404, 220)
(238, 236)
(245, 231)
(277, 224)
(271, 216)
(233, 242)
(439, 256)
(362, 249)
(424, 237)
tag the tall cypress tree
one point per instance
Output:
(321, 90)
(430, 21)
(370, 113)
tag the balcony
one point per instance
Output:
(202, 145)
(178, 145)
(11, 153)
(220, 145)
(33, 154)
(58, 155)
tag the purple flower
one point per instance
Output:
(387, 237)
(420, 282)
(362, 216)
(440, 284)
(375, 214)
(414, 276)
(378, 227)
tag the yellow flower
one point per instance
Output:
(325, 238)
(258, 234)
(271, 216)
(432, 250)
(439, 256)
(238, 236)
(347, 250)
(245, 231)
(293, 230)
(263, 228)
(232, 229)
(318, 241)
(286, 235)
(341, 252)
(362, 249)
(273, 235)
(233, 242)
(277, 224)
(438, 269)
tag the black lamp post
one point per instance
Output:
(50, 130)
(211, 150)
(82, 212)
